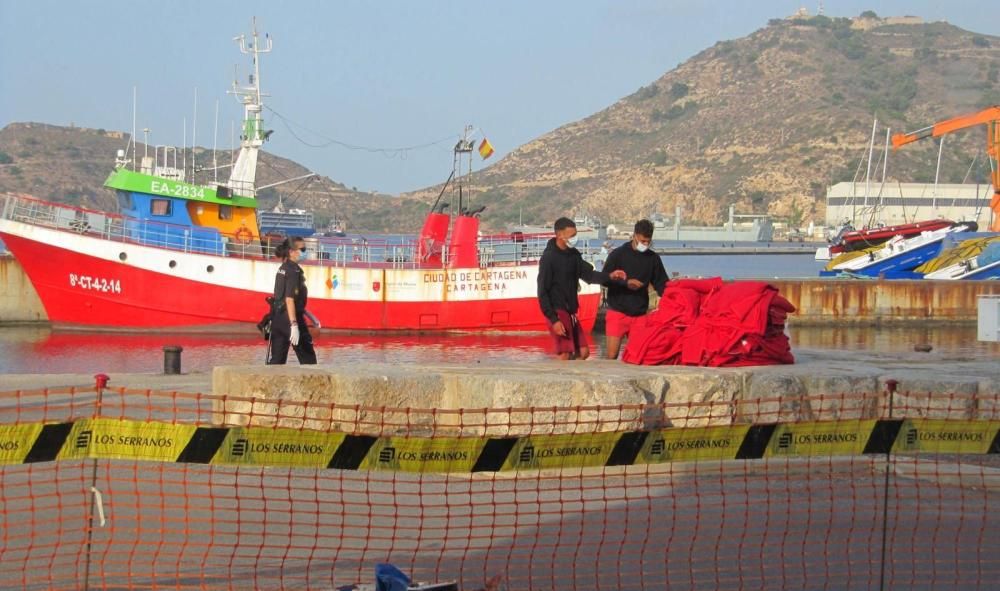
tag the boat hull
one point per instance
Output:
(89, 281)
(962, 272)
(860, 239)
(991, 271)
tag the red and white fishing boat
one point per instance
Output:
(184, 255)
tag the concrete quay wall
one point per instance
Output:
(838, 301)
(19, 301)
(375, 397)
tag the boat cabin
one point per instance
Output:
(183, 216)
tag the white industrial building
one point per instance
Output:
(898, 203)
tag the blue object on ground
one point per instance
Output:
(390, 578)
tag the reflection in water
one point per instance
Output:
(42, 350)
(948, 341)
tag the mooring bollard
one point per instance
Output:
(172, 359)
(101, 381)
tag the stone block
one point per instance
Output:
(500, 400)
(928, 397)
(700, 398)
(771, 398)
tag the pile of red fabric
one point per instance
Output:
(710, 323)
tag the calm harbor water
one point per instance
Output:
(42, 350)
(32, 349)
(737, 266)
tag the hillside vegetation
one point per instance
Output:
(765, 122)
(70, 165)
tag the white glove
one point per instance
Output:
(294, 339)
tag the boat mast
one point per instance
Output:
(244, 172)
(463, 148)
(937, 174)
(868, 171)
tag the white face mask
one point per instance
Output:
(640, 247)
(571, 242)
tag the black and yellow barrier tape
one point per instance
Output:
(107, 438)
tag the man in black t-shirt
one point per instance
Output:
(288, 324)
(560, 271)
(644, 268)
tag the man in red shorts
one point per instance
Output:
(643, 267)
(560, 271)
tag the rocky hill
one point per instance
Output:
(70, 164)
(765, 122)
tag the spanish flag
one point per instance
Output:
(485, 149)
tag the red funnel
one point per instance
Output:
(432, 237)
(463, 250)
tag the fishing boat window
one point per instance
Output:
(160, 207)
(124, 200)
(225, 212)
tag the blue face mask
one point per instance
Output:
(303, 255)
(571, 242)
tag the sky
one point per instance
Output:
(373, 76)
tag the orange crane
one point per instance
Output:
(991, 119)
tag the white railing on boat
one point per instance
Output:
(382, 252)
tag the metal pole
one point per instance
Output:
(101, 381)
(891, 387)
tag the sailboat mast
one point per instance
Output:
(937, 174)
(868, 172)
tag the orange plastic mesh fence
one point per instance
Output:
(199, 491)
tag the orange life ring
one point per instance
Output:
(244, 235)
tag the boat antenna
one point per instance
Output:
(253, 136)
(132, 139)
(215, 145)
(194, 133)
(462, 148)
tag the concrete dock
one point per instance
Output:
(595, 381)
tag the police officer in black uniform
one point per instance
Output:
(288, 324)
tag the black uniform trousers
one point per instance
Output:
(281, 332)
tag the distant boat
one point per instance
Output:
(896, 258)
(760, 229)
(587, 228)
(294, 222)
(975, 258)
(849, 239)
(335, 229)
